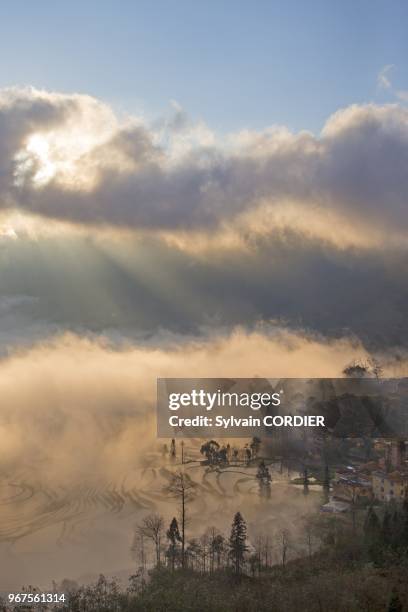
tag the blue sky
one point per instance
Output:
(234, 64)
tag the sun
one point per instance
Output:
(38, 147)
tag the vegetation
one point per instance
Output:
(350, 570)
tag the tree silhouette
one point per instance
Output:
(152, 528)
(255, 446)
(173, 535)
(264, 480)
(217, 548)
(237, 542)
(182, 487)
(305, 481)
(210, 450)
(173, 450)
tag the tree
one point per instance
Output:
(193, 553)
(254, 563)
(364, 369)
(247, 455)
(326, 478)
(205, 550)
(237, 542)
(264, 479)
(255, 446)
(182, 487)
(223, 456)
(152, 528)
(263, 551)
(305, 481)
(210, 450)
(217, 547)
(173, 450)
(356, 369)
(173, 535)
(138, 549)
(376, 368)
(284, 542)
(326, 483)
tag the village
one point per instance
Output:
(381, 480)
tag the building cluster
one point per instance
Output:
(383, 480)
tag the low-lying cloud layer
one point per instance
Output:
(72, 391)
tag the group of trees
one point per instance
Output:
(387, 536)
(224, 455)
(216, 454)
(210, 552)
(230, 572)
(214, 551)
(369, 368)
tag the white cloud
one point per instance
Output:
(383, 78)
(71, 158)
(384, 82)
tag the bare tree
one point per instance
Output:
(310, 538)
(193, 554)
(267, 551)
(216, 547)
(152, 528)
(138, 549)
(205, 550)
(182, 487)
(284, 543)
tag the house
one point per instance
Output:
(388, 486)
(351, 485)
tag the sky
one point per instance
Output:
(191, 190)
(236, 65)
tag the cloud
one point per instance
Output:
(384, 82)
(69, 386)
(149, 286)
(178, 230)
(383, 78)
(70, 158)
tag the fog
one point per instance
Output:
(80, 463)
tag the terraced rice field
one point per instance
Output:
(51, 532)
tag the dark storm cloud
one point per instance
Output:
(139, 286)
